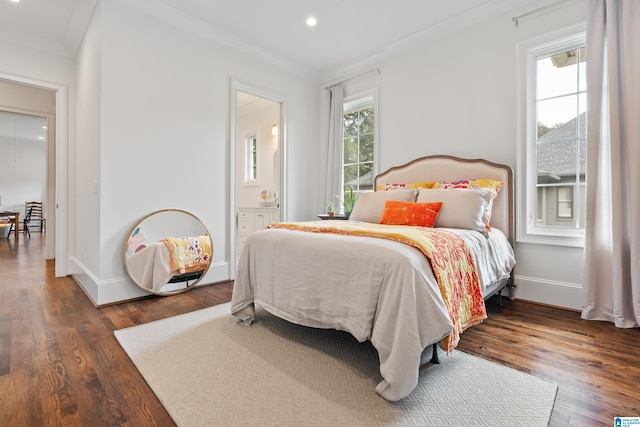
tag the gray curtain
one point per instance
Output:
(334, 144)
(612, 240)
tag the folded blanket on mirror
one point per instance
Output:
(187, 254)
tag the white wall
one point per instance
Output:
(86, 257)
(22, 174)
(161, 94)
(457, 96)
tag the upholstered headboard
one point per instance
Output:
(450, 168)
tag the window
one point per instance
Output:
(565, 203)
(359, 142)
(553, 139)
(251, 160)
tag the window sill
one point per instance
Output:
(551, 240)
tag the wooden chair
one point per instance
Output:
(27, 218)
(37, 213)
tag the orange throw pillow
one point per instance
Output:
(410, 213)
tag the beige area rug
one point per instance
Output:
(209, 371)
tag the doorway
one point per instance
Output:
(27, 143)
(13, 99)
(257, 166)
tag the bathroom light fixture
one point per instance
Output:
(311, 21)
(274, 129)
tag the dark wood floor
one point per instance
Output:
(61, 365)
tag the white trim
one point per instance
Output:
(57, 227)
(527, 230)
(559, 294)
(102, 292)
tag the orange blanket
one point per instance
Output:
(187, 254)
(452, 263)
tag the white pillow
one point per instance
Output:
(461, 207)
(369, 206)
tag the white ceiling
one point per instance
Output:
(348, 31)
(19, 127)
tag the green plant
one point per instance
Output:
(349, 200)
(329, 207)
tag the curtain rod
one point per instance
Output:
(515, 19)
(354, 77)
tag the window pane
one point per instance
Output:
(553, 113)
(351, 124)
(350, 150)
(365, 181)
(366, 148)
(351, 175)
(558, 74)
(366, 125)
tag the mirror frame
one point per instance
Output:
(177, 291)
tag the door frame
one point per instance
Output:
(234, 87)
(57, 168)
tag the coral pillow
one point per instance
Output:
(409, 213)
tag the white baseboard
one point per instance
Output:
(102, 292)
(559, 294)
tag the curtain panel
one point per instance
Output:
(612, 235)
(334, 144)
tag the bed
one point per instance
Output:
(333, 274)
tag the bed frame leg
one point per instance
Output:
(434, 355)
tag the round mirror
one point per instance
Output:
(168, 252)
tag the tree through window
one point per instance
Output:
(358, 140)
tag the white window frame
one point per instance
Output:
(528, 230)
(251, 147)
(357, 100)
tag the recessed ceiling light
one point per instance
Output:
(41, 137)
(311, 21)
(44, 127)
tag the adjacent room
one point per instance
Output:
(342, 212)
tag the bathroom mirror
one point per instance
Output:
(168, 252)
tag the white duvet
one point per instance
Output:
(375, 289)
